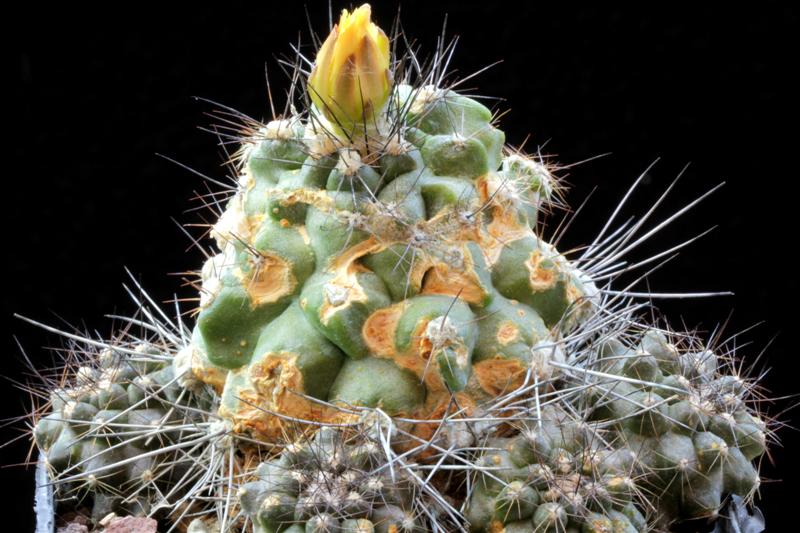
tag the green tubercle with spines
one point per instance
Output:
(103, 438)
(332, 480)
(651, 440)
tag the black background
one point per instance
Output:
(96, 94)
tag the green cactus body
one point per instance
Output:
(110, 433)
(681, 443)
(383, 259)
(334, 481)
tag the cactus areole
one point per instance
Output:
(385, 341)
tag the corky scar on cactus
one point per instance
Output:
(390, 269)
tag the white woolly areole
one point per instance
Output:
(245, 180)
(453, 256)
(349, 162)
(549, 251)
(182, 366)
(397, 145)
(107, 357)
(210, 278)
(279, 130)
(103, 384)
(85, 375)
(542, 353)
(424, 96)
(209, 291)
(318, 139)
(233, 224)
(441, 331)
(224, 430)
(143, 347)
(502, 190)
(69, 409)
(335, 294)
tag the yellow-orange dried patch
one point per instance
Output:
(270, 280)
(379, 330)
(542, 271)
(497, 376)
(345, 267)
(274, 385)
(207, 372)
(505, 225)
(444, 280)
(507, 332)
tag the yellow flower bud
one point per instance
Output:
(351, 80)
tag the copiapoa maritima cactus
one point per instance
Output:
(386, 341)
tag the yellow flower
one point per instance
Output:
(351, 80)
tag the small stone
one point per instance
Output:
(131, 524)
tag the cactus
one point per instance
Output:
(652, 436)
(385, 341)
(405, 252)
(121, 432)
(337, 479)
